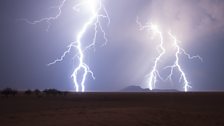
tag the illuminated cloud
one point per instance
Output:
(188, 19)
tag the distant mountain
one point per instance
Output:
(165, 90)
(134, 88)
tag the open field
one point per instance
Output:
(114, 109)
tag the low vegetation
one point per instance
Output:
(9, 91)
(13, 92)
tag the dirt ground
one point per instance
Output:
(114, 109)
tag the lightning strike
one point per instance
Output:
(154, 74)
(177, 65)
(97, 12)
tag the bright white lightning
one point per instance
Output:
(152, 76)
(154, 73)
(177, 65)
(97, 11)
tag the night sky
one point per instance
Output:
(25, 50)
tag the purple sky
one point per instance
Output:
(126, 59)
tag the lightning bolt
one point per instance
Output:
(154, 74)
(97, 12)
(177, 65)
(47, 20)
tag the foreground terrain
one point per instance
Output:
(113, 109)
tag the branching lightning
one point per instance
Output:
(97, 11)
(48, 20)
(152, 76)
(154, 73)
(177, 65)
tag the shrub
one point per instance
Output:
(52, 91)
(28, 92)
(9, 91)
(37, 92)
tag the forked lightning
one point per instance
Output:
(97, 11)
(154, 74)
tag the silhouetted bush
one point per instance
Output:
(28, 92)
(52, 92)
(9, 91)
(37, 92)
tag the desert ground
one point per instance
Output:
(113, 109)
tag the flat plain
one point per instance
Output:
(114, 109)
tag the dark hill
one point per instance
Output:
(134, 88)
